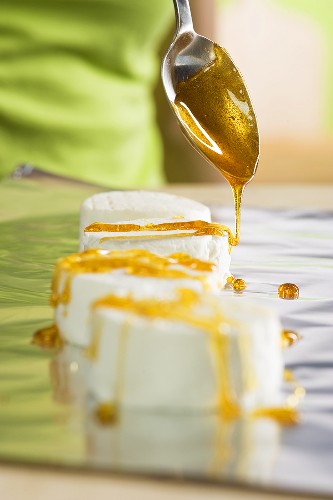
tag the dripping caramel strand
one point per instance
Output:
(200, 228)
(154, 308)
(135, 262)
(284, 415)
(289, 338)
(47, 338)
(288, 414)
(107, 412)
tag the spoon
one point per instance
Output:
(210, 100)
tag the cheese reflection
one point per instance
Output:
(198, 444)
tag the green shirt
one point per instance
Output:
(76, 80)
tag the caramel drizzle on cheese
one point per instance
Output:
(135, 262)
(198, 228)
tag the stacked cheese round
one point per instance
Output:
(115, 206)
(139, 299)
(82, 278)
(193, 352)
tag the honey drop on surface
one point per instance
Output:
(289, 338)
(230, 279)
(47, 338)
(239, 285)
(288, 291)
(288, 375)
(107, 413)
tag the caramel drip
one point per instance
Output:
(227, 402)
(48, 337)
(288, 291)
(283, 415)
(134, 262)
(288, 376)
(154, 308)
(216, 113)
(191, 262)
(223, 451)
(230, 280)
(106, 413)
(287, 414)
(199, 228)
(289, 338)
(239, 284)
(92, 350)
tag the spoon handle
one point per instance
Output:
(183, 16)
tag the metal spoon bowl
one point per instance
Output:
(232, 118)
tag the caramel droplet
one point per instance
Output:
(288, 376)
(289, 337)
(239, 284)
(283, 415)
(47, 338)
(107, 413)
(230, 279)
(288, 291)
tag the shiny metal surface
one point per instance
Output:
(188, 52)
(46, 416)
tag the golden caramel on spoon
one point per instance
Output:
(216, 114)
